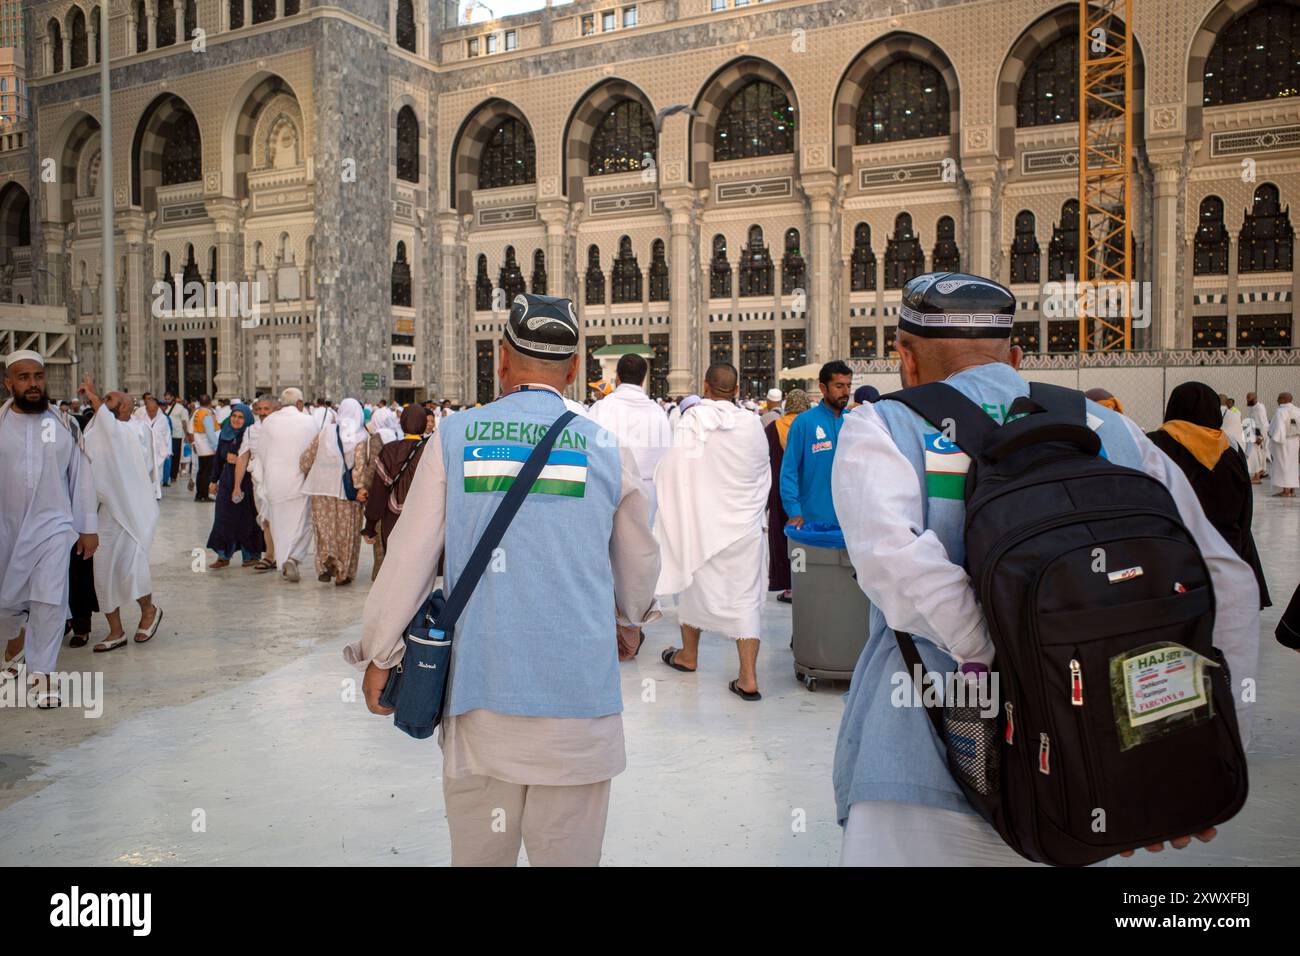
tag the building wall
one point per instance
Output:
(328, 226)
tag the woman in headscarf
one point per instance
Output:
(234, 523)
(338, 468)
(1215, 467)
(394, 471)
(778, 559)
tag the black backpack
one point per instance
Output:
(1090, 583)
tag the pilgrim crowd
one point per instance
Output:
(643, 504)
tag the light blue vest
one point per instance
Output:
(891, 753)
(537, 638)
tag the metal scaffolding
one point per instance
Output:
(1105, 175)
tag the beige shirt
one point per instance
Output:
(540, 751)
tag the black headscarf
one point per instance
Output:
(1194, 402)
(414, 418)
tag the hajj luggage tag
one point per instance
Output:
(1157, 690)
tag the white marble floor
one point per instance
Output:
(228, 740)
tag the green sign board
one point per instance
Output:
(369, 379)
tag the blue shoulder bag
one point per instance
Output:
(349, 489)
(417, 687)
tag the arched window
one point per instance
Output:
(793, 268)
(720, 270)
(626, 274)
(1210, 256)
(406, 25)
(908, 99)
(658, 272)
(95, 37)
(595, 278)
(1256, 58)
(142, 25)
(904, 259)
(401, 278)
(946, 257)
(1049, 90)
(79, 43)
(54, 34)
(757, 121)
(509, 157)
(236, 14)
(212, 264)
(624, 141)
(1063, 250)
(1266, 238)
(482, 287)
(408, 145)
(291, 7)
(191, 19)
(863, 264)
(190, 271)
(263, 10)
(182, 155)
(539, 272)
(755, 266)
(164, 31)
(511, 279)
(1026, 255)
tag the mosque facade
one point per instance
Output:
(358, 188)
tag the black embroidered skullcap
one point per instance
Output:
(954, 305)
(543, 326)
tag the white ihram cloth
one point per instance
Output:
(713, 487)
(249, 445)
(160, 434)
(1284, 435)
(121, 457)
(346, 431)
(1260, 453)
(285, 435)
(1232, 427)
(47, 498)
(640, 426)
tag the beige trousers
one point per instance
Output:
(558, 826)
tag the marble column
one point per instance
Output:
(248, 12)
(820, 189)
(142, 329)
(230, 262)
(451, 385)
(981, 221)
(1165, 238)
(1232, 287)
(679, 206)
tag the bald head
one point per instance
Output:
(923, 360)
(1284, 398)
(720, 382)
(514, 368)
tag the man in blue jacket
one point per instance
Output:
(810, 451)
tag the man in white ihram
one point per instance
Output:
(122, 461)
(285, 435)
(1284, 434)
(47, 505)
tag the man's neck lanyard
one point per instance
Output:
(533, 388)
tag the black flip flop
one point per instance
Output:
(667, 657)
(639, 643)
(79, 640)
(748, 695)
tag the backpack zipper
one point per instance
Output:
(1044, 754)
(1009, 735)
(1076, 683)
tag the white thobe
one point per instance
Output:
(713, 486)
(1232, 427)
(285, 435)
(1284, 437)
(47, 498)
(639, 425)
(160, 434)
(121, 457)
(249, 445)
(1260, 454)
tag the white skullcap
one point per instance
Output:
(24, 355)
(774, 395)
(291, 396)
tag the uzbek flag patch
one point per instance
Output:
(945, 468)
(495, 467)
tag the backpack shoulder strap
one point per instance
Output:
(1049, 413)
(496, 529)
(915, 668)
(937, 402)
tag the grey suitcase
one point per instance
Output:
(830, 613)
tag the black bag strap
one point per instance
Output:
(409, 455)
(912, 657)
(1049, 413)
(496, 529)
(938, 401)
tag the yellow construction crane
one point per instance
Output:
(1105, 175)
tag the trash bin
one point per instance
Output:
(829, 609)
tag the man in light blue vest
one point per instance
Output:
(533, 731)
(899, 494)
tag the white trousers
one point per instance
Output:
(889, 833)
(44, 623)
(291, 528)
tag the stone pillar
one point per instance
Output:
(820, 189)
(279, 9)
(230, 263)
(451, 385)
(248, 12)
(151, 23)
(1232, 287)
(679, 205)
(555, 216)
(179, 10)
(1165, 242)
(981, 220)
(142, 329)
(51, 291)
